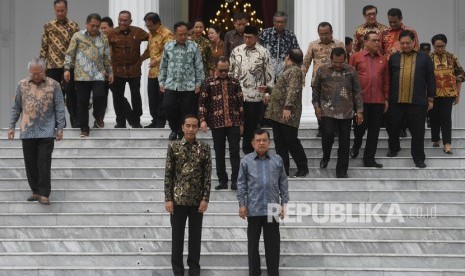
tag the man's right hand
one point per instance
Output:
(318, 113)
(243, 212)
(67, 76)
(203, 126)
(162, 89)
(169, 206)
(11, 134)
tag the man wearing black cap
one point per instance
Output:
(251, 64)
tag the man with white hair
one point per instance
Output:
(39, 126)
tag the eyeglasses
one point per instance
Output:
(439, 46)
(262, 140)
(36, 75)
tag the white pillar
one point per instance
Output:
(307, 15)
(138, 10)
(7, 57)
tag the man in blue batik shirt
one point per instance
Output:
(262, 181)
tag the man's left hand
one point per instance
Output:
(110, 78)
(60, 135)
(430, 106)
(287, 115)
(266, 98)
(359, 118)
(283, 211)
(203, 206)
(197, 89)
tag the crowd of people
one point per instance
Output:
(233, 87)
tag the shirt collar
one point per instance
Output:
(125, 32)
(62, 22)
(41, 82)
(366, 53)
(220, 79)
(184, 142)
(414, 51)
(344, 66)
(87, 34)
(332, 41)
(255, 155)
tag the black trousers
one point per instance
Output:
(272, 240)
(233, 135)
(328, 129)
(83, 90)
(178, 226)
(100, 114)
(156, 102)
(123, 109)
(252, 111)
(441, 119)
(286, 141)
(38, 162)
(69, 92)
(372, 120)
(416, 115)
(178, 104)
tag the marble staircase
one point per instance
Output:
(107, 214)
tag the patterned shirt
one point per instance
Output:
(287, 94)
(207, 55)
(157, 41)
(362, 30)
(188, 172)
(89, 56)
(319, 53)
(125, 51)
(232, 39)
(412, 78)
(253, 68)
(337, 93)
(390, 40)
(181, 67)
(447, 71)
(41, 107)
(261, 182)
(55, 41)
(278, 45)
(373, 75)
(221, 103)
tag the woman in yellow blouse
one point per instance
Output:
(449, 77)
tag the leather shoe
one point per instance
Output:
(33, 197)
(392, 153)
(324, 163)
(137, 125)
(234, 186)
(420, 164)
(301, 173)
(44, 200)
(354, 152)
(373, 164)
(173, 136)
(120, 126)
(342, 175)
(222, 186)
(403, 133)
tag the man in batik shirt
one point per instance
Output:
(250, 63)
(278, 40)
(390, 38)
(369, 12)
(56, 37)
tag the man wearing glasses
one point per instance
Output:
(221, 108)
(370, 25)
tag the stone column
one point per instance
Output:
(138, 9)
(307, 15)
(7, 64)
(459, 110)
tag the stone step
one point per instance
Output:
(229, 259)
(410, 208)
(294, 183)
(225, 271)
(158, 172)
(233, 232)
(235, 245)
(295, 195)
(229, 219)
(165, 132)
(160, 152)
(123, 161)
(161, 142)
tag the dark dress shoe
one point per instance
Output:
(234, 186)
(151, 125)
(44, 200)
(319, 134)
(136, 125)
(222, 186)
(403, 134)
(33, 197)
(373, 164)
(420, 164)
(342, 175)
(324, 163)
(392, 153)
(301, 173)
(354, 152)
(120, 126)
(173, 136)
